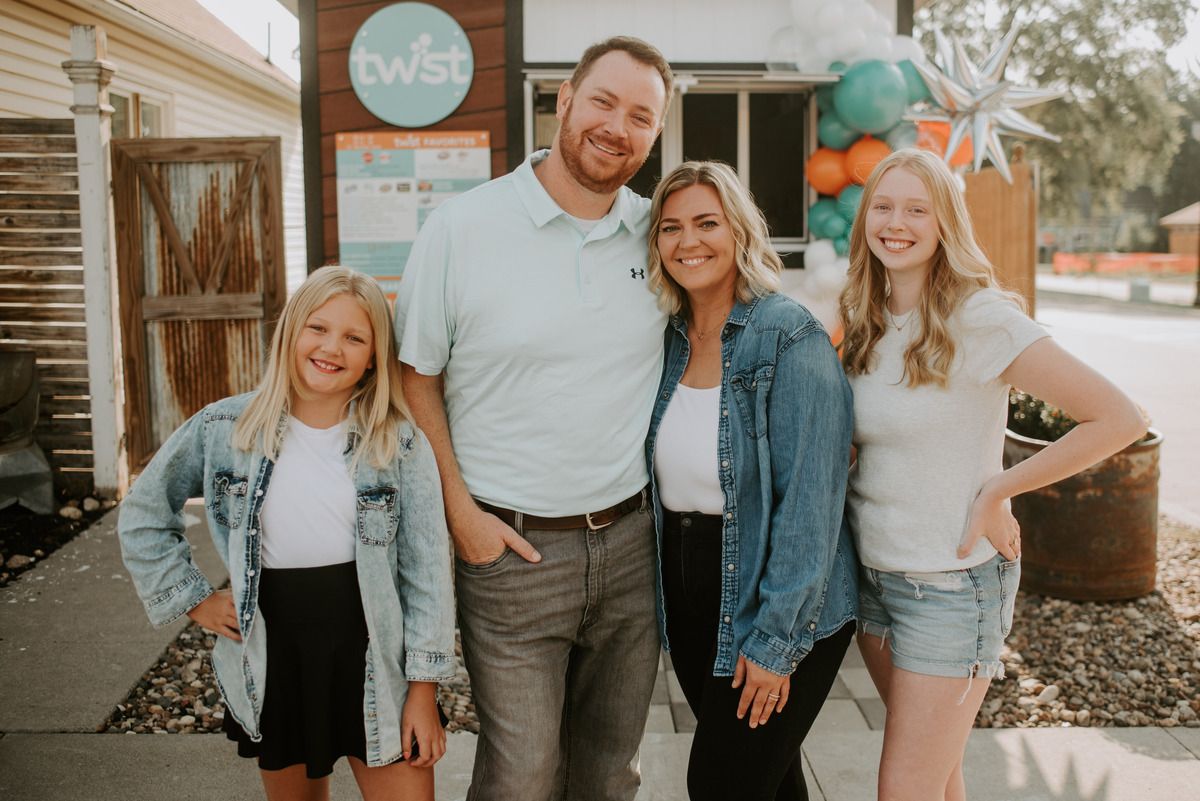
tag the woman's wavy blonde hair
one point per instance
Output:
(377, 402)
(958, 269)
(758, 264)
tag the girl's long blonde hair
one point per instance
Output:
(377, 403)
(758, 265)
(958, 269)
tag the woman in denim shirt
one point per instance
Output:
(748, 450)
(343, 556)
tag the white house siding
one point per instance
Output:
(200, 99)
(686, 31)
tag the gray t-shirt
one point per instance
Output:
(924, 452)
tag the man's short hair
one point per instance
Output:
(638, 50)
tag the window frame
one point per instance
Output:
(741, 83)
(135, 97)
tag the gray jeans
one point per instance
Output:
(562, 656)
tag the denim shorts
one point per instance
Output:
(951, 623)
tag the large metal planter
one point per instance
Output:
(1093, 536)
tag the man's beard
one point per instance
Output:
(571, 145)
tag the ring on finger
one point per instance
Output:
(773, 696)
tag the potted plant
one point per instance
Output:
(1092, 536)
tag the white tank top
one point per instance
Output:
(685, 453)
(308, 516)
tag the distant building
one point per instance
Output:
(1183, 230)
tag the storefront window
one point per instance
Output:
(777, 128)
(710, 128)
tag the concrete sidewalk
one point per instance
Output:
(74, 640)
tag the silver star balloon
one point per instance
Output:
(975, 99)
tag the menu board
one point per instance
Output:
(387, 185)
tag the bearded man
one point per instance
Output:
(531, 354)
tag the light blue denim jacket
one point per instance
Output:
(788, 568)
(402, 554)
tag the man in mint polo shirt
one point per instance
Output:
(532, 351)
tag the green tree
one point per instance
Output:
(1118, 120)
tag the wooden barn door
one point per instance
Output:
(199, 228)
(1005, 219)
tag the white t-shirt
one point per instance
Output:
(308, 514)
(685, 453)
(924, 452)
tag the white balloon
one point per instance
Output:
(828, 279)
(827, 19)
(816, 56)
(785, 50)
(846, 45)
(877, 46)
(826, 311)
(819, 252)
(906, 48)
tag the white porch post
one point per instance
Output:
(90, 74)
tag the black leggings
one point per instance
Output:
(729, 759)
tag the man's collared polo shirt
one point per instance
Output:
(549, 341)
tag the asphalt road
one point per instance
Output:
(1152, 351)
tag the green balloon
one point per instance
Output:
(837, 66)
(901, 135)
(871, 96)
(916, 88)
(834, 133)
(841, 245)
(835, 226)
(848, 200)
(825, 98)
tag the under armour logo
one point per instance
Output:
(634, 272)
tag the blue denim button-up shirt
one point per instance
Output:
(788, 569)
(402, 553)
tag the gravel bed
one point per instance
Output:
(1135, 663)
(27, 538)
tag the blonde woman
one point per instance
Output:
(748, 449)
(932, 345)
(324, 503)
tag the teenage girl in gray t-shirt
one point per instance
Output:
(931, 347)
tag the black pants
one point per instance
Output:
(729, 759)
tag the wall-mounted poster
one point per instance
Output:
(388, 183)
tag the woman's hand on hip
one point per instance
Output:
(217, 614)
(992, 517)
(763, 692)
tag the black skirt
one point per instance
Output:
(312, 711)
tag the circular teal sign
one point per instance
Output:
(411, 64)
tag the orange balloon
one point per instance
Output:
(935, 136)
(863, 155)
(826, 171)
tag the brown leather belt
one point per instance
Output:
(593, 521)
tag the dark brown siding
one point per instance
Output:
(339, 109)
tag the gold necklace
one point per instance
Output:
(700, 335)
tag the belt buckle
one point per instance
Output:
(592, 526)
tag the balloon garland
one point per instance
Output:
(888, 97)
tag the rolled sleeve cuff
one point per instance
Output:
(776, 655)
(180, 599)
(429, 666)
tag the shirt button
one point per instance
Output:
(246, 616)
(729, 515)
(258, 493)
(729, 567)
(250, 532)
(250, 572)
(812, 626)
(724, 412)
(724, 463)
(753, 384)
(728, 619)
(726, 363)
(666, 395)
(687, 521)
(795, 664)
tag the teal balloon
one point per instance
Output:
(871, 96)
(834, 133)
(835, 227)
(841, 245)
(825, 98)
(848, 200)
(837, 66)
(901, 135)
(914, 83)
(819, 215)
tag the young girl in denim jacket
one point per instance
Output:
(323, 501)
(932, 345)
